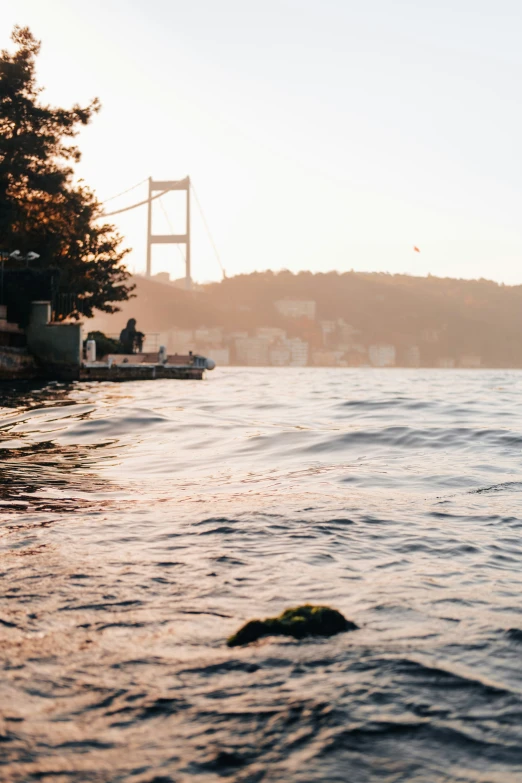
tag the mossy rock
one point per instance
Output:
(299, 622)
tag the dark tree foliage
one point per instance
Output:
(19, 287)
(104, 344)
(42, 209)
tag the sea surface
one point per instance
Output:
(141, 524)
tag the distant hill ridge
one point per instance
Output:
(444, 316)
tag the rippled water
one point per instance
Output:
(142, 523)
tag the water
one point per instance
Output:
(141, 524)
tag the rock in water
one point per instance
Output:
(298, 622)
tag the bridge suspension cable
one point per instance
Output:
(138, 203)
(123, 192)
(133, 206)
(207, 229)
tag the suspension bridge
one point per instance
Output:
(158, 189)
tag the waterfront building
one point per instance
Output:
(347, 332)
(213, 336)
(252, 351)
(280, 355)
(328, 359)
(298, 352)
(328, 328)
(447, 362)
(180, 340)
(382, 355)
(430, 336)
(221, 356)
(153, 340)
(271, 333)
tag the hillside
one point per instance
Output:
(444, 317)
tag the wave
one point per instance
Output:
(141, 524)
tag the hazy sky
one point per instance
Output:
(319, 134)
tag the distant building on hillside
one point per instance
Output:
(355, 358)
(328, 328)
(220, 355)
(447, 362)
(296, 308)
(347, 333)
(212, 336)
(279, 355)
(271, 333)
(298, 352)
(382, 355)
(252, 351)
(430, 336)
(328, 359)
(153, 340)
(180, 341)
(162, 277)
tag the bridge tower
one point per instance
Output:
(169, 239)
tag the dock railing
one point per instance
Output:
(151, 342)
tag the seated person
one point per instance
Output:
(131, 339)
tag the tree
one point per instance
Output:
(42, 208)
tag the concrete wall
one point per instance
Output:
(16, 364)
(53, 344)
(11, 336)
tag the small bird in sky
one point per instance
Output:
(416, 249)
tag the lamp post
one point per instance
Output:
(30, 256)
(3, 257)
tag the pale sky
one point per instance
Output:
(319, 134)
